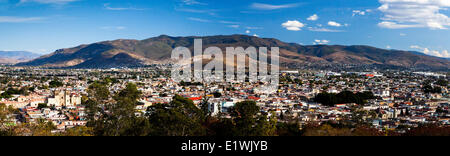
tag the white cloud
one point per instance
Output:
(293, 25)
(334, 24)
(320, 42)
(11, 19)
(313, 18)
(392, 25)
(262, 6)
(193, 2)
(108, 7)
(255, 35)
(358, 12)
(415, 47)
(400, 14)
(254, 28)
(247, 31)
(234, 26)
(49, 1)
(113, 28)
(388, 47)
(444, 53)
(211, 12)
(192, 10)
(322, 29)
(198, 20)
(229, 22)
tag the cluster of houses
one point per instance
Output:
(400, 100)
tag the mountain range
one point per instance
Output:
(12, 57)
(135, 53)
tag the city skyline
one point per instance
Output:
(43, 26)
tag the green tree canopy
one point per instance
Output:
(249, 121)
(179, 118)
(330, 99)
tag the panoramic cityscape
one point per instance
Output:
(224, 68)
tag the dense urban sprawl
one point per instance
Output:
(68, 101)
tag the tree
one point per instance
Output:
(120, 118)
(5, 95)
(92, 109)
(31, 89)
(79, 131)
(5, 126)
(42, 127)
(42, 105)
(204, 106)
(179, 118)
(266, 126)
(330, 99)
(55, 84)
(442, 82)
(24, 91)
(288, 129)
(249, 121)
(99, 92)
(366, 131)
(217, 95)
(3, 113)
(327, 130)
(326, 99)
(430, 89)
(9, 92)
(298, 81)
(429, 130)
(109, 80)
(126, 101)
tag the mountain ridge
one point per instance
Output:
(134, 53)
(12, 57)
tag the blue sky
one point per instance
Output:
(43, 26)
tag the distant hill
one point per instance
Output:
(132, 53)
(12, 57)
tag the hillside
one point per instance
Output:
(133, 53)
